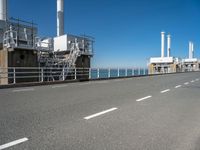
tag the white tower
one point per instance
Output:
(162, 44)
(191, 50)
(60, 17)
(3, 10)
(168, 45)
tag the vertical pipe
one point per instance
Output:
(3, 10)
(60, 17)
(162, 44)
(168, 45)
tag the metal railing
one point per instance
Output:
(14, 75)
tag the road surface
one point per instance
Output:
(144, 113)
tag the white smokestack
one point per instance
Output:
(168, 45)
(3, 10)
(162, 44)
(191, 50)
(60, 17)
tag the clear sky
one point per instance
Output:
(127, 32)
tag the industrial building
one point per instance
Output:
(190, 63)
(20, 46)
(164, 64)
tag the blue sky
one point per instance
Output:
(127, 32)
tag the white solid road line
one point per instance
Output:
(144, 98)
(186, 83)
(164, 91)
(13, 143)
(100, 82)
(23, 90)
(86, 83)
(178, 86)
(197, 79)
(192, 81)
(59, 86)
(100, 113)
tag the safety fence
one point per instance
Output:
(14, 75)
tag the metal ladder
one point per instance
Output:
(69, 64)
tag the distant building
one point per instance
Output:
(164, 64)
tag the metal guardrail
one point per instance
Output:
(14, 75)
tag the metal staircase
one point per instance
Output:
(69, 63)
(59, 65)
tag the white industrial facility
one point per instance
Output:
(164, 64)
(190, 63)
(170, 64)
(20, 45)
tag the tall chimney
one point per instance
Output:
(3, 10)
(60, 17)
(191, 50)
(162, 44)
(168, 45)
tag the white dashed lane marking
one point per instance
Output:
(164, 91)
(178, 86)
(8, 145)
(144, 98)
(100, 113)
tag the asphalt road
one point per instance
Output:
(145, 113)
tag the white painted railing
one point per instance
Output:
(14, 75)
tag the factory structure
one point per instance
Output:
(170, 64)
(191, 63)
(20, 46)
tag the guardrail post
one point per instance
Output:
(75, 74)
(42, 75)
(139, 71)
(126, 72)
(118, 72)
(109, 73)
(98, 74)
(14, 76)
(63, 74)
(90, 70)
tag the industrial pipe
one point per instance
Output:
(191, 50)
(168, 45)
(162, 44)
(3, 10)
(60, 17)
